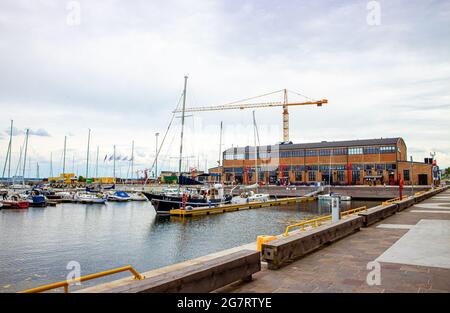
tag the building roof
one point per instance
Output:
(336, 144)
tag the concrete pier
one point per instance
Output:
(404, 250)
(408, 251)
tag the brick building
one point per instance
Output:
(353, 162)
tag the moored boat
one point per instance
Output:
(213, 196)
(90, 198)
(137, 196)
(250, 197)
(13, 204)
(119, 196)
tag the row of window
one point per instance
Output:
(322, 168)
(311, 152)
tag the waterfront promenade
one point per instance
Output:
(412, 248)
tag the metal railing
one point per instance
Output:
(318, 221)
(67, 283)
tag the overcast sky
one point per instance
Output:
(117, 67)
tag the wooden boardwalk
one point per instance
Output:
(238, 207)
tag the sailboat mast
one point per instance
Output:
(25, 157)
(51, 165)
(10, 149)
(87, 154)
(64, 158)
(132, 159)
(114, 164)
(182, 130)
(256, 148)
(96, 164)
(220, 153)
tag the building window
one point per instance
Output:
(312, 176)
(356, 176)
(353, 151)
(371, 150)
(298, 176)
(340, 176)
(311, 153)
(389, 149)
(406, 175)
(340, 151)
(325, 152)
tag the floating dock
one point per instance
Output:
(239, 207)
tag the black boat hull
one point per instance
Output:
(163, 206)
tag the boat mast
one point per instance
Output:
(256, 149)
(51, 165)
(10, 149)
(182, 131)
(8, 154)
(114, 164)
(329, 173)
(64, 158)
(132, 159)
(87, 154)
(220, 153)
(25, 157)
(96, 165)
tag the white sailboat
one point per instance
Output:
(250, 196)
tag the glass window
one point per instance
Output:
(371, 150)
(311, 153)
(312, 176)
(406, 175)
(340, 176)
(388, 149)
(298, 176)
(353, 151)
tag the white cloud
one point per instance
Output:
(121, 71)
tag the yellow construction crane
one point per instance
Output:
(285, 104)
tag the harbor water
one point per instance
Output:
(38, 245)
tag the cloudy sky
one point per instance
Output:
(117, 67)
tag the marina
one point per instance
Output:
(224, 150)
(38, 243)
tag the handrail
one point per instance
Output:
(390, 201)
(317, 221)
(67, 283)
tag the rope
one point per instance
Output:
(165, 135)
(297, 93)
(264, 95)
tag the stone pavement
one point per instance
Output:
(412, 249)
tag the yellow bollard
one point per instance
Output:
(260, 240)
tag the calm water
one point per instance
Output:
(37, 244)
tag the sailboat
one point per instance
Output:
(196, 197)
(250, 196)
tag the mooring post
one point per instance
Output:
(335, 209)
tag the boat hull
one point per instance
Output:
(164, 206)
